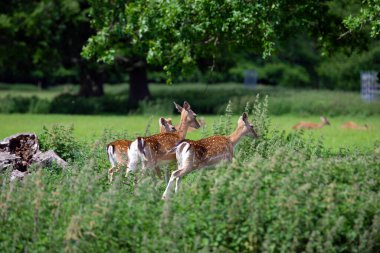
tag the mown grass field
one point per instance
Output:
(91, 127)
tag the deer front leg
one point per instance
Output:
(176, 175)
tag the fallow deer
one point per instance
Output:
(157, 148)
(201, 122)
(311, 125)
(118, 150)
(353, 125)
(193, 155)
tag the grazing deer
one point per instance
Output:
(353, 125)
(118, 150)
(311, 125)
(158, 148)
(192, 155)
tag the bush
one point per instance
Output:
(61, 140)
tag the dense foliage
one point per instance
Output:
(215, 41)
(368, 16)
(282, 193)
(178, 34)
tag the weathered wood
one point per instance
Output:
(48, 158)
(17, 175)
(8, 160)
(19, 151)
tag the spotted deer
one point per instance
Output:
(194, 155)
(311, 125)
(157, 148)
(118, 150)
(353, 125)
(201, 122)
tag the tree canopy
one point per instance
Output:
(369, 15)
(177, 34)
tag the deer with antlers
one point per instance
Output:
(353, 125)
(157, 148)
(311, 125)
(118, 150)
(193, 155)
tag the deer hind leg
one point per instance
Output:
(177, 176)
(171, 180)
(110, 174)
(158, 172)
(177, 181)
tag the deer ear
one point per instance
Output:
(179, 108)
(244, 116)
(162, 121)
(169, 121)
(186, 105)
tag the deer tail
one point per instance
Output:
(110, 153)
(140, 145)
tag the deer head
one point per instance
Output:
(166, 125)
(187, 115)
(246, 127)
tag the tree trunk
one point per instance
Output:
(91, 80)
(138, 85)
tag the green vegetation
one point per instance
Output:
(282, 193)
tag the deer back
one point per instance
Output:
(117, 151)
(206, 151)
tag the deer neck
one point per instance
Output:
(236, 136)
(182, 130)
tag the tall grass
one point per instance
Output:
(282, 193)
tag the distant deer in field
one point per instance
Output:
(158, 148)
(311, 125)
(353, 125)
(118, 150)
(193, 155)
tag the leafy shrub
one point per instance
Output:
(343, 72)
(39, 106)
(285, 75)
(60, 139)
(71, 104)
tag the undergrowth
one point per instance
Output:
(282, 193)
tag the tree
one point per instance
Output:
(369, 16)
(179, 34)
(41, 41)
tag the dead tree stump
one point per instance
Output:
(20, 151)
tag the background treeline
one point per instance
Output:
(41, 43)
(207, 99)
